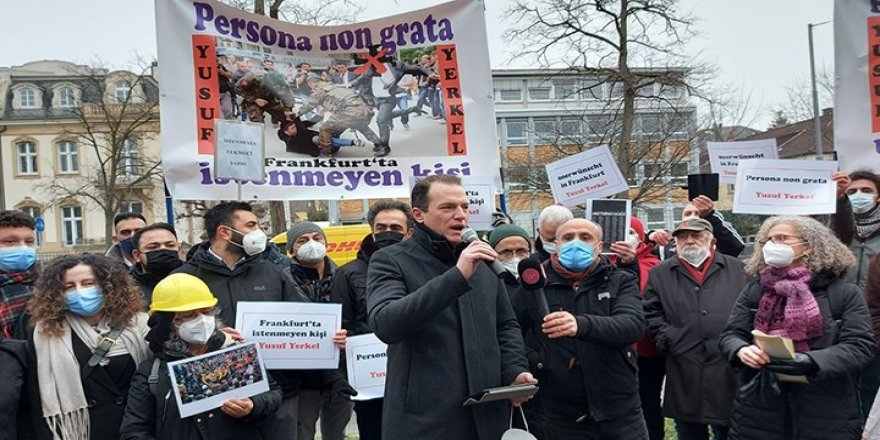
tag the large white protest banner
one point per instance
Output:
(292, 335)
(792, 187)
(725, 156)
(330, 137)
(366, 360)
(857, 95)
(591, 174)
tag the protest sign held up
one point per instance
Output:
(588, 175)
(784, 187)
(292, 336)
(725, 156)
(366, 359)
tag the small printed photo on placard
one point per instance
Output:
(204, 382)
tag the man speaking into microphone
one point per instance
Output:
(448, 324)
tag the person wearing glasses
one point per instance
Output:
(798, 293)
(512, 243)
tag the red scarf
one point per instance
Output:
(699, 274)
(574, 278)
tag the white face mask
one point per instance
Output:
(197, 330)
(549, 247)
(512, 266)
(633, 240)
(253, 242)
(694, 255)
(311, 252)
(778, 255)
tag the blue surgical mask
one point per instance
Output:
(549, 247)
(861, 202)
(86, 301)
(576, 255)
(17, 259)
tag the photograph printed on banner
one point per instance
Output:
(205, 382)
(348, 105)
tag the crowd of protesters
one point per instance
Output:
(621, 336)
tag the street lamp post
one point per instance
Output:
(817, 125)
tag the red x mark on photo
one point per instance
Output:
(375, 58)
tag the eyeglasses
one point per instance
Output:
(782, 238)
(519, 253)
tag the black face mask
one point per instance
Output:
(163, 262)
(387, 238)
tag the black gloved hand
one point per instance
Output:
(341, 388)
(802, 364)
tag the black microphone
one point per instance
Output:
(532, 278)
(469, 236)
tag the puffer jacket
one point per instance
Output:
(827, 407)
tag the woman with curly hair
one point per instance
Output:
(798, 293)
(87, 340)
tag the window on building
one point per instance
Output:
(129, 158)
(68, 158)
(678, 173)
(570, 128)
(517, 133)
(33, 211)
(656, 218)
(510, 95)
(592, 88)
(66, 97)
(649, 124)
(27, 98)
(123, 89)
(132, 206)
(71, 225)
(539, 93)
(670, 91)
(646, 90)
(26, 153)
(564, 89)
(545, 131)
(676, 214)
(615, 90)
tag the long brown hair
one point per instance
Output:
(122, 297)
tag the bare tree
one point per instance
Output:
(798, 105)
(631, 50)
(322, 13)
(117, 114)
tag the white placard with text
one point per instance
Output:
(725, 156)
(790, 187)
(592, 174)
(292, 335)
(366, 359)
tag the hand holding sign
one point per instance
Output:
(842, 181)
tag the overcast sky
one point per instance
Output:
(759, 46)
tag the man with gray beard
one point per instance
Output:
(687, 301)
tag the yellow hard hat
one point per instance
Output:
(181, 292)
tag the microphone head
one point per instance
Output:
(531, 273)
(469, 235)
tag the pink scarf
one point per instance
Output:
(788, 307)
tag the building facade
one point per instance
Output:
(545, 115)
(56, 130)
